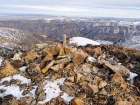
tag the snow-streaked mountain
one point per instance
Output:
(106, 31)
(104, 42)
(132, 42)
(92, 28)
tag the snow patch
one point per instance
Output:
(15, 90)
(131, 77)
(23, 68)
(1, 60)
(66, 97)
(119, 63)
(17, 76)
(52, 90)
(91, 59)
(23, 79)
(81, 41)
(33, 91)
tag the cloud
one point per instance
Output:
(73, 2)
(90, 8)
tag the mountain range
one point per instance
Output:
(117, 31)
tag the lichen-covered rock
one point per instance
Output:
(16, 57)
(117, 78)
(48, 66)
(102, 84)
(77, 101)
(70, 66)
(57, 67)
(79, 56)
(35, 72)
(123, 103)
(17, 63)
(68, 50)
(103, 92)
(94, 88)
(41, 45)
(71, 78)
(9, 100)
(58, 47)
(8, 70)
(27, 101)
(30, 57)
(48, 57)
(119, 69)
(98, 51)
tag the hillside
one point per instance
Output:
(71, 74)
(15, 38)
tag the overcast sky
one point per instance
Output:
(86, 8)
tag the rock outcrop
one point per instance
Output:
(86, 75)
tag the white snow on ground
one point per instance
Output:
(1, 60)
(81, 41)
(91, 59)
(15, 90)
(131, 77)
(17, 76)
(33, 91)
(23, 68)
(23, 79)
(119, 63)
(66, 97)
(52, 90)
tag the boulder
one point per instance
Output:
(78, 77)
(8, 70)
(103, 92)
(96, 80)
(79, 56)
(61, 52)
(71, 78)
(30, 57)
(48, 66)
(77, 101)
(41, 45)
(16, 57)
(9, 100)
(48, 57)
(118, 69)
(57, 67)
(117, 78)
(68, 50)
(98, 50)
(94, 88)
(102, 84)
(17, 63)
(123, 103)
(58, 47)
(35, 72)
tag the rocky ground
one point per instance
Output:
(70, 75)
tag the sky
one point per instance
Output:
(80, 8)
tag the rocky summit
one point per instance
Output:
(62, 74)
